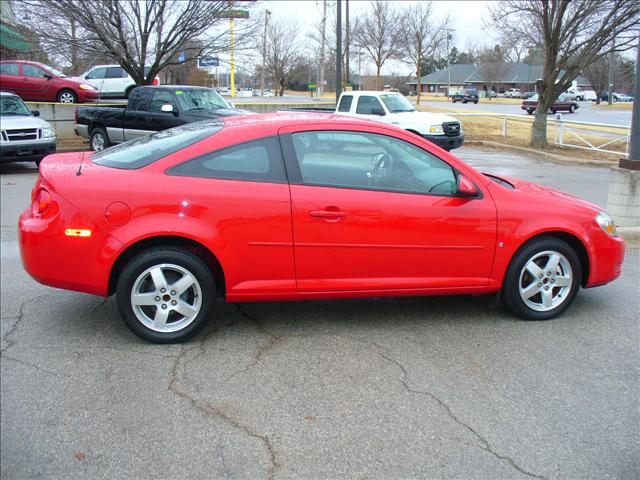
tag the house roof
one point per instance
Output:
(468, 73)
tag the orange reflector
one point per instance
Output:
(77, 232)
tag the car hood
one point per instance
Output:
(23, 121)
(218, 112)
(547, 194)
(422, 117)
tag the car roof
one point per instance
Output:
(8, 94)
(279, 120)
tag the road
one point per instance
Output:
(375, 388)
(586, 113)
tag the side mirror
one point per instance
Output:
(167, 108)
(47, 76)
(35, 113)
(466, 188)
(377, 111)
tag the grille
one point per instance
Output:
(451, 129)
(23, 134)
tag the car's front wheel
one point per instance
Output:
(165, 295)
(543, 279)
(67, 96)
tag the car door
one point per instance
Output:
(10, 78)
(34, 82)
(376, 212)
(116, 81)
(369, 107)
(136, 116)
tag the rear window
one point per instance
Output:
(143, 151)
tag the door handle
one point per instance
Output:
(328, 214)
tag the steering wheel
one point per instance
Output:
(380, 160)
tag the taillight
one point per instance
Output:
(41, 202)
(155, 82)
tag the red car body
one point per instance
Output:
(289, 241)
(27, 80)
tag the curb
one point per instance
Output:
(551, 157)
(631, 236)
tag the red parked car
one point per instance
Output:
(38, 82)
(563, 103)
(302, 206)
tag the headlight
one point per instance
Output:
(48, 133)
(86, 86)
(436, 129)
(606, 223)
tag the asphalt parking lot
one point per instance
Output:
(438, 387)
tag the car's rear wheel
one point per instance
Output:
(165, 295)
(99, 140)
(530, 111)
(543, 279)
(572, 109)
(67, 96)
(475, 101)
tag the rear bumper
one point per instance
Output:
(443, 141)
(26, 152)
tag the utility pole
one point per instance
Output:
(267, 13)
(633, 163)
(346, 45)
(359, 71)
(338, 49)
(610, 78)
(448, 66)
(324, 28)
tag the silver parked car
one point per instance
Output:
(23, 136)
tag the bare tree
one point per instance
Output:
(493, 65)
(598, 75)
(283, 57)
(422, 35)
(514, 46)
(134, 33)
(378, 34)
(572, 34)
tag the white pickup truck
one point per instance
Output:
(395, 109)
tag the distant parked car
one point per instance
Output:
(23, 136)
(35, 81)
(466, 96)
(623, 97)
(513, 93)
(562, 104)
(526, 95)
(490, 94)
(113, 80)
(605, 97)
(590, 95)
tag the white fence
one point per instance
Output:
(568, 133)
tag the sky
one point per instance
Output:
(466, 18)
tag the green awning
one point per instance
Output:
(13, 40)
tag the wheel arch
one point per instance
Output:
(204, 253)
(569, 238)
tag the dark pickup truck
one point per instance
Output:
(149, 110)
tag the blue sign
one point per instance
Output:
(182, 56)
(204, 62)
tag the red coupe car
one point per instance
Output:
(302, 206)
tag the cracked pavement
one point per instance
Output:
(370, 388)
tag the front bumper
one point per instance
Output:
(26, 152)
(444, 141)
(87, 95)
(607, 256)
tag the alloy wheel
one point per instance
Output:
(545, 281)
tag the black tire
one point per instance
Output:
(572, 109)
(99, 140)
(475, 101)
(517, 277)
(464, 100)
(453, 100)
(530, 111)
(168, 257)
(67, 96)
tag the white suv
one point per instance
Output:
(513, 93)
(113, 80)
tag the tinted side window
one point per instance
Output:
(140, 99)
(257, 161)
(372, 162)
(161, 97)
(116, 72)
(345, 103)
(96, 73)
(32, 71)
(9, 69)
(367, 104)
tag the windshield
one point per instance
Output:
(142, 151)
(13, 106)
(396, 103)
(200, 99)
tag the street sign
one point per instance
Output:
(182, 56)
(312, 86)
(205, 62)
(234, 14)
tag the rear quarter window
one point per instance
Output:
(143, 151)
(345, 103)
